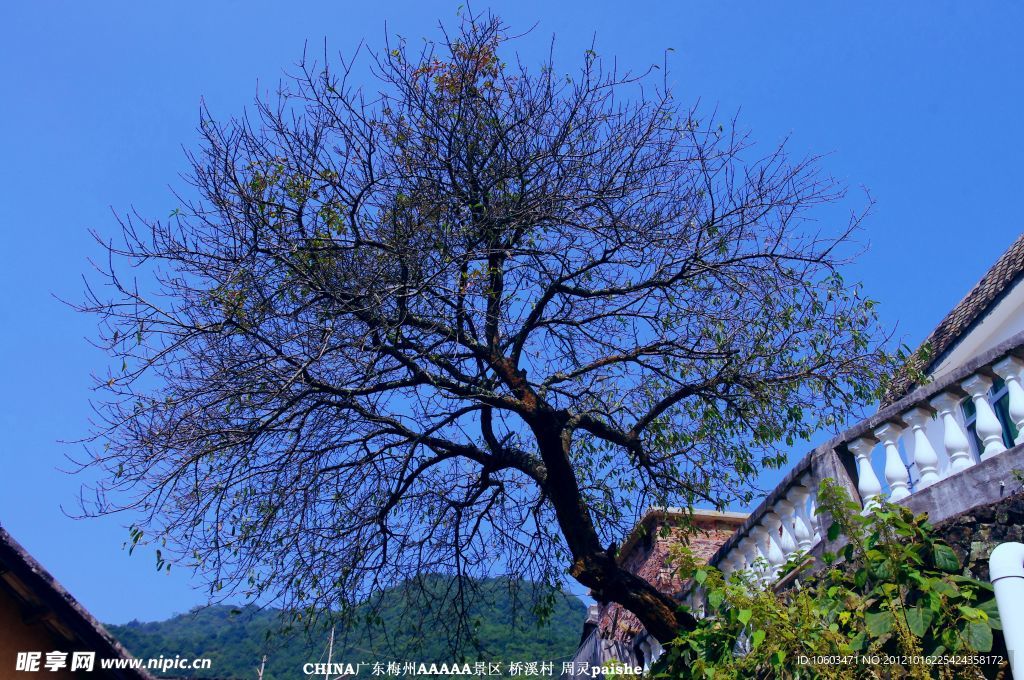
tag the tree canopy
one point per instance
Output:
(466, 316)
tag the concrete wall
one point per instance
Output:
(987, 482)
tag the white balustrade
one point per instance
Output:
(746, 567)
(867, 481)
(751, 554)
(896, 475)
(924, 453)
(792, 524)
(762, 565)
(773, 524)
(1010, 370)
(802, 531)
(741, 562)
(787, 519)
(812, 512)
(696, 601)
(770, 549)
(986, 424)
(954, 439)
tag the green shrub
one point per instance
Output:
(892, 597)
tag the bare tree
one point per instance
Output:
(471, 321)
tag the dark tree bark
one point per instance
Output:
(474, 322)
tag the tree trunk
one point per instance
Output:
(659, 613)
(592, 565)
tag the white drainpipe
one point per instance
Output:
(1006, 571)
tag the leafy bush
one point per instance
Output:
(892, 597)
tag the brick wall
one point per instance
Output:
(647, 554)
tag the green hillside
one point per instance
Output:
(235, 640)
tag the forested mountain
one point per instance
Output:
(236, 639)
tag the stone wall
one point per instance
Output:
(975, 533)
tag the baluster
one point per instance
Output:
(1009, 369)
(787, 542)
(739, 560)
(896, 474)
(924, 453)
(765, 565)
(867, 481)
(743, 564)
(990, 432)
(802, 531)
(770, 550)
(954, 439)
(812, 512)
(773, 524)
(752, 554)
(762, 566)
(696, 601)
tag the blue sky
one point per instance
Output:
(917, 101)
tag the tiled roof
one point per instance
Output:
(39, 593)
(1007, 270)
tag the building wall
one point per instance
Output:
(1001, 323)
(16, 636)
(650, 558)
(974, 534)
(1004, 321)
